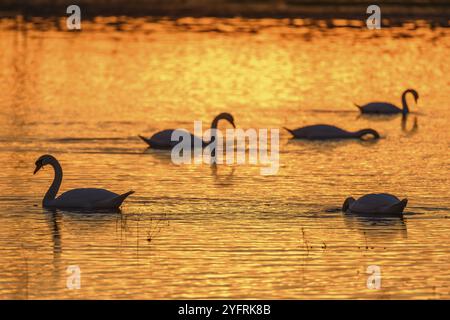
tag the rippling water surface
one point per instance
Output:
(196, 231)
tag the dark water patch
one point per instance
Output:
(398, 11)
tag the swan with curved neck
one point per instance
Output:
(85, 198)
(389, 108)
(326, 132)
(375, 203)
(163, 139)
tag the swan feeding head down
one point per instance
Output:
(85, 198)
(375, 203)
(327, 132)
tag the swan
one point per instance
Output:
(162, 139)
(388, 108)
(86, 198)
(381, 203)
(324, 132)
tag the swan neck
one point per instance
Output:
(404, 103)
(54, 187)
(212, 140)
(215, 122)
(363, 132)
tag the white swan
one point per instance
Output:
(86, 198)
(388, 108)
(162, 139)
(324, 132)
(377, 203)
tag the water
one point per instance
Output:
(194, 231)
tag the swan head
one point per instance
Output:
(373, 134)
(414, 93)
(42, 161)
(226, 116)
(347, 203)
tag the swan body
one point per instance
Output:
(375, 203)
(380, 107)
(325, 132)
(388, 108)
(163, 139)
(85, 198)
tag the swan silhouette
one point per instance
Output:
(163, 139)
(325, 132)
(376, 203)
(86, 198)
(388, 108)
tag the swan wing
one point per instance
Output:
(396, 208)
(320, 131)
(373, 203)
(114, 202)
(82, 198)
(380, 107)
(163, 139)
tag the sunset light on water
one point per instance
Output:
(223, 231)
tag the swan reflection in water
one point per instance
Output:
(91, 225)
(77, 219)
(223, 179)
(329, 146)
(376, 228)
(53, 218)
(403, 122)
(414, 127)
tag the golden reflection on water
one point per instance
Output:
(196, 231)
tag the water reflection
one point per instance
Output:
(332, 145)
(224, 176)
(375, 229)
(414, 127)
(202, 231)
(54, 218)
(379, 117)
(163, 156)
(390, 118)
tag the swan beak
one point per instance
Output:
(38, 167)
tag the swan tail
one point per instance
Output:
(398, 207)
(145, 140)
(358, 106)
(115, 202)
(289, 130)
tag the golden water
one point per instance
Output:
(194, 231)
